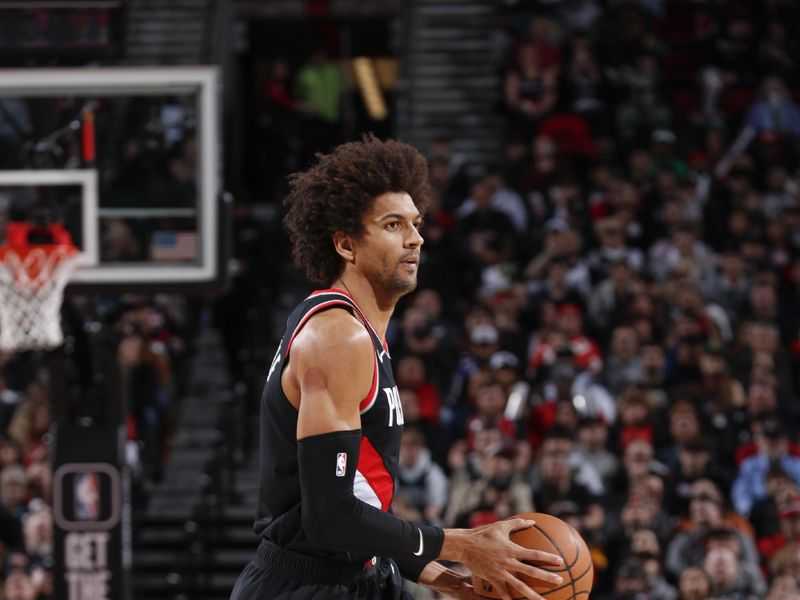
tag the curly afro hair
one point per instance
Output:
(335, 193)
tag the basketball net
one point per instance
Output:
(32, 281)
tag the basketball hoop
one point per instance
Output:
(32, 281)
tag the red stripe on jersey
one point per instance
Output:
(307, 316)
(370, 464)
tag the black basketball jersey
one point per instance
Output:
(278, 517)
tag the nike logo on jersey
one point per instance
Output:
(381, 354)
(421, 543)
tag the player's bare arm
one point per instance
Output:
(329, 372)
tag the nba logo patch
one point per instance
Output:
(86, 496)
(341, 464)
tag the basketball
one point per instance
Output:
(551, 534)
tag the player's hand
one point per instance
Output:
(490, 554)
(447, 582)
(452, 585)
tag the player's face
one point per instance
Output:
(390, 248)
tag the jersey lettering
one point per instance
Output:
(395, 408)
(275, 361)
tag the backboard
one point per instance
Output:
(128, 159)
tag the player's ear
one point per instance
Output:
(344, 246)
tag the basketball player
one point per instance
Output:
(331, 418)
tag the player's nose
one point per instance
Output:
(414, 238)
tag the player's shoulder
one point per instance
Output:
(335, 333)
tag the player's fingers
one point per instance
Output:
(521, 588)
(463, 590)
(517, 524)
(538, 556)
(539, 574)
(500, 587)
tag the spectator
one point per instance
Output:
(531, 89)
(653, 370)
(783, 588)
(643, 107)
(775, 112)
(564, 276)
(630, 583)
(634, 431)
(42, 578)
(723, 393)
(787, 563)
(750, 484)
(694, 584)
(505, 370)
(40, 481)
(623, 364)
(487, 231)
(411, 376)
(749, 574)
(726, 581)
(764, 514)
(593, 448)
(556, 484)
(13, 490)
(10, 453)
(584, 82)
(694, 462)
(706, 514)
(567, 339)
(777, 52)
(558, 396)
(646, 549)
(38, 532)
(319, 87)
(504, 200)
(426, 338)
(422, 483)
(663, 156)
(681, 250)
(30, 422)
(612, 249)
(490, 404)
(473, 489)
(788, 535)
(731, 63)
(730, 283)
(18, 583)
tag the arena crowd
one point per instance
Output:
(606, 327)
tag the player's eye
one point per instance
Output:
(393, 225)
(418, 224)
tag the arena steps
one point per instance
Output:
(450, 85)
(199, 557)
(195, 534)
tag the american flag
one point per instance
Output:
(174, 245)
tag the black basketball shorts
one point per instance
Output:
(279, 574)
